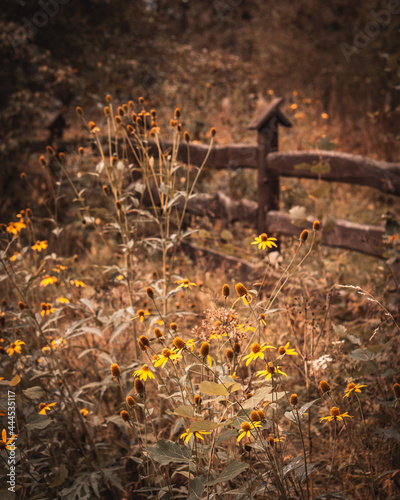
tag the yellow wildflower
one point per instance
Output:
(167, 354)
(269, 371)
(40, 245)
(335, 415)
(78, 283)
(16, 227)
(143, 373)
(246, 428)
(6, 444)
(284, 350)
(48, 280)
(184, 284)
(141, 314)
(63, 300)
(353, 387)
(43, 407)
(263, 241)
(257, 351)
(84, 411)
(187, 435)
(15, 347)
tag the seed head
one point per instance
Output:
(118, 205)
(130, 401)
(271, 441)
(121, 111)
(79, 111)
(205, 349)
(255, 347)
(197, 400)
(130, 129)
(304, 235)
(118, 119)
(335, 412)
(241, 290)
(150, 292)
(131, 105)
(261, 415)
(173, 123)
(396, 391)
(22, 176)
(236, 348)
(249, 395)
(213, 131)
(316, 226)
(141, 100)
(178, 343)
(229, 354)
(21, 305)
(92, 125)
(108, 98)
(42, 160)
(179, 127)
(173, 327)
(125, 416)
(61, 156)
(144, 340)
(81, 151)
(271, 368)
(254, 417)
(139, 387)
(166, 352)
(186, 136)
(115, 371)
(281, 350)
(42, 405)
(106, 190)
(107, 111)
(351, 386)
(158, 333)
(294, 400)
(226, 290)
(324, 386)
(177, 113)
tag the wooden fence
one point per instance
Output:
(272, 164)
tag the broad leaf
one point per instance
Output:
(258, 396)
(38, 422)
(34, 392)
(214, 389)
(166, 452)
(230, 472)
(196, 488)
(183, 411)
(342, 332)
(205, 425)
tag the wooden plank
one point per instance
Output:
(231, 156)
(260, 120)
(345, 167)
(348, 235)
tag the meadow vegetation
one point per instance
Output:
(138, 373)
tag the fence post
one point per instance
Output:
(266, 125)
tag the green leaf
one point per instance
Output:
(214, 389)
(166, 452)
(321, 191)
(342, 332)
(196, 488)
(183, 411)
(226, 235)
(258, 396)
(60, 476)
(321, 168)
(302, 166)
(326, 143)
(230, 472)
(226, 435)
(205, 425)
(291, 415)
(381, 476)
(38, 422)
(363, 355)
(34, 392)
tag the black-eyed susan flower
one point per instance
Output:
(167, 355)
(6, 443)
(294, 400)
(353, 387)
(243, 293)
(49, 280)
(262, 319)
(143, 373)
(263, 241)
(335, 415)
(257, 351)
(15, 347)
(141, 314)
(43, 407)
(197, 434)
(40, 245)
(244, 328)
(84, 412)
(47, 309)
(269, 371)
(77, 283)
(63, 300)
(184, 284)
(15, 227)
(246, 428)
(284, 349)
